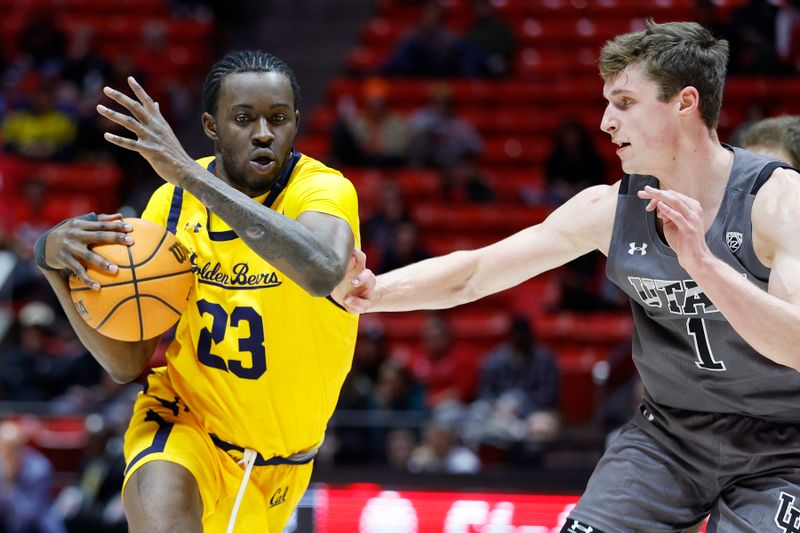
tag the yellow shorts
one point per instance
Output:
(163, 429)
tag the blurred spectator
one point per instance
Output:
(517, 395)
(753, 112)
(787, 34)
(491, 38)
(380, 227)
(95, 502)
(752, 39)
(405, 248)
(23, 221)
(400, 443)
(573, 164)
(42, 131)
(441, 452)
(397, 390)
(440, 138)
(705, 14)
(464, 182)
(377, 136)
(42, 43)
(35, 365)
(447, 371)
(777, 137)
(25, 486)
(430, 50)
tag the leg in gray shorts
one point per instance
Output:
(669, 468)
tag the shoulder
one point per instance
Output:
(588, 217)
(776, 211)
(312, 175)
(779, 198)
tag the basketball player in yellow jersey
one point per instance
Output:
(224, 436)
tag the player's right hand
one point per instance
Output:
(68, 245)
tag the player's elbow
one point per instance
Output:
(123, 376)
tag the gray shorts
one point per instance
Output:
(670, 468)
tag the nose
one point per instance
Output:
(262, 134)
(609, 122)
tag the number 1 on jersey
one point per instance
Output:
(705, 358)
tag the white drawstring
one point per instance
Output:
(248, 460)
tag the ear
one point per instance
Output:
(688, 101)
(209, 126)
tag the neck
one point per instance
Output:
(699, 167)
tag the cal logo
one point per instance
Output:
(279, 497)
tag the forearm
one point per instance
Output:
(124, 361)
(436, 283)
(285, 243)
(769, 324)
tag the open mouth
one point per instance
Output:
(622, 147)
(262, 164)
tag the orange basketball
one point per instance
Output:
(148, 293)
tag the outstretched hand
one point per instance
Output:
(682, 218)
(155, 140)
(355, 290)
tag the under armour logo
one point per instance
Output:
(279, 497)
(641, 249)
(788, 517)
(577, 527)
(734, 240)
(195, 227)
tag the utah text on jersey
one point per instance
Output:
(680, 297)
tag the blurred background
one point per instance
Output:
(459, 122)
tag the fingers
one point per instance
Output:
(126, 121)
(136, 108)
(148, 103)
(79, 271)
(122, 142)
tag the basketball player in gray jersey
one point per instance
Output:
(704, 239)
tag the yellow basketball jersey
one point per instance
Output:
(257, 359)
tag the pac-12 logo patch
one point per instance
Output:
(734, 240)
(788, 517)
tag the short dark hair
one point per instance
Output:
(674, 55)
(781, 132)
(239, 62)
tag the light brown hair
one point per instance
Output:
(674, 55)
(781, 133)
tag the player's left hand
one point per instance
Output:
(155, 140)
(682, 219)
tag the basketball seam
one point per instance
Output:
(155, 251)
(142, 280)
(136, 291)
(125, 300)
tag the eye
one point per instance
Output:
(280, 117)
(241, 119)
(624, 102)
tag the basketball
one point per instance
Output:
(148, 293)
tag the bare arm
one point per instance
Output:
(768, 321)
(582, 224)
(67, 246)
(313, 250)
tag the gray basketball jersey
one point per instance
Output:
(687, 354)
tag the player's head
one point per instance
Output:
(251, 111)
(665, 76)
(777, 137)
(674, 55)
